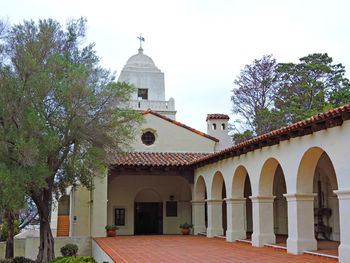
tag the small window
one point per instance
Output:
(148, 138)
(223, 126)
(119, 216)
(171, 208)
(214, 126)
(143, 94)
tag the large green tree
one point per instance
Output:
(60, 113)
(309, 87)
(269, 95)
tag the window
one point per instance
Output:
(119, 216)
(143, 94)
(148, 138)
(171, 208)
(214, 126)
(223, 126)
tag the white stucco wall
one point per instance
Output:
(218, 128)
(99, 254)
(334, 141)
(152, 81)
(29, 247)
(123, 189)
(171, 137)
(323, 154)
(80, 212)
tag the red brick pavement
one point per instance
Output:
(193, 249)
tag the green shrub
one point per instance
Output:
(22, 260)
(69, 250)
(73, 260)
(111, 227)
(17, 260)
(186, 225)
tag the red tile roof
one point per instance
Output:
(161, 159)
(158, 159)
(181, 125)
(217, 116)
(313, 124)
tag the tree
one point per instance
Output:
(59, 113)
(256, 87)
(12, 199)
(309, 87)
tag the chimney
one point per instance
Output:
(217, 126)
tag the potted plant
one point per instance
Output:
(185, 228)
(111, 230)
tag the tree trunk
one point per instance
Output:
(10, 218)
(46, 248)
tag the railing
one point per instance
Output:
(153, 105)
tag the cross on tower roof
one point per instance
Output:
(141, 38)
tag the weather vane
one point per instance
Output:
(141, 39)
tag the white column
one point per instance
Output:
(334, 218)
(263, 231)
(301, 229)
(214, 218)
(99, 207)
(236, 216)
(344, 219)
(198, 216)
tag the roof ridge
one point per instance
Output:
(181, 125)
(147, 159)
(289, 128)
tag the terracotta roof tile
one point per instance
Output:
(159, 159)
(181, 125)
(319, 118)
(217, 116)
(152, 159)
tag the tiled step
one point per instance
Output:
(320, 254)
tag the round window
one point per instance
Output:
(148, 138)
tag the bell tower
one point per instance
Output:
(217, 126)
(141, 72)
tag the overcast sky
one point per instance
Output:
(201, 46)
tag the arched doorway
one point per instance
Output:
(239, 207)
(280, 212)
(326, 207)
(148, 213)
(199, 207)
(272, 187)
(249, 207)
(218, 194)
(316, 181)
(224, 208)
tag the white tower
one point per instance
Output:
(141, 72)
(217, 127)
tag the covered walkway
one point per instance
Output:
(176, 248)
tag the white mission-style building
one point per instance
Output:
(292, 184)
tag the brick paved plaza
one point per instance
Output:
(194, 249)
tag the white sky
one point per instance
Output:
(201, 46)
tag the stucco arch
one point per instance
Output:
(326, 165)
(216, 186)
(238, 182)
(148, 195)
(267, 175)
(307, 167)
(200, 189)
